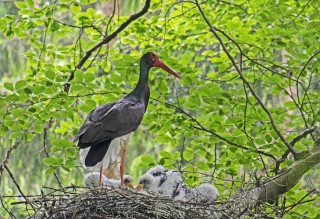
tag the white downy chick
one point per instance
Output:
(157, 170)
(149, 183)
(171, 185)
(203, 193)
(92, 180)
(116, 183)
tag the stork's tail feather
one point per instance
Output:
(96, 153)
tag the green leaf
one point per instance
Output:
(88, 77)
(9, 33)
(61, 143)
(20, 84)
(78, 75)
(176, 155)
(30, 3)
(38, 89)
(50, 171)
(75, 8)
(28, 136)
(147, 160)
(50, 74)
(2, 112)
(55, 26)
(116, 78)
(21, 5)
(202, 166)
(70, 163)
(17, 112)
(269, 138)
(187, 155)
(14, 135)
(8, 121)
(52, 161)
(3, 25)
(54, 149)
(299, 146)
(8, 86)
(165, 154)
(77, 87)
(27, 90)
(88, 106)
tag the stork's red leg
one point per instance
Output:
(122, 165)
(100, 178)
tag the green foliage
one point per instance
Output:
(208, 124)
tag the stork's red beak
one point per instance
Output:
(160, 64)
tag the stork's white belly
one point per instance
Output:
(112, 154)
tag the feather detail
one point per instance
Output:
(112, 154)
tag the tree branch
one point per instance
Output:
(17, 185)
(270, 190)
(293, 142)
(284, 182)
(202, 128)
(6, 160)
(107, 40)
(44, 142)
(212, 29)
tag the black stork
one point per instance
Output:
(107, 124)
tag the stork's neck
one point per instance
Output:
(142, 91)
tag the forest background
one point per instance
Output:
(245, 110)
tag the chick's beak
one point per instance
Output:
(139, 187)
(130, 185)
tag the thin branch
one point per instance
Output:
(111, 18)
(45, 132)
(202, 128)
(17, 185)
(304, 7)
(301, 201)
(6, 160)
(107, 40)
(75, 46)
(293, 142)
(302, 135)
(3, 204)
(302, 70)
(307, 63)
(212, 29)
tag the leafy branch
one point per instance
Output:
(293, 142)
(275, 128)
(202, 128)
(107, 40)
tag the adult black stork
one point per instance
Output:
(110, 125)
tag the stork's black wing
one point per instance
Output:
(110, 121)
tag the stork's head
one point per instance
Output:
(153, 60)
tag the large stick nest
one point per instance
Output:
(79, 202)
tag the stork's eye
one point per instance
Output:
(153, 56)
